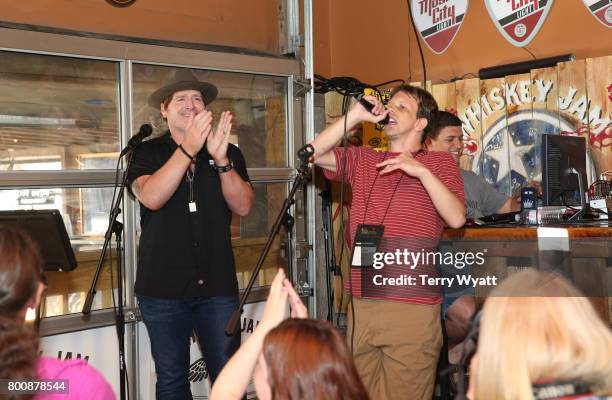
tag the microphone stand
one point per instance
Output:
(330, 256)
(115, 227)
(283, 218)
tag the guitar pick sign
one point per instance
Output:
(518, 20)
(438, 21)
(601, 9)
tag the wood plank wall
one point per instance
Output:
(504, 118)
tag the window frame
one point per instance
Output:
(126, 54)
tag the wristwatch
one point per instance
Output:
(224, 168)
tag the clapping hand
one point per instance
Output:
(276, 305)
(218, 141)
(298, 309)
(197, 131)
(235, 376)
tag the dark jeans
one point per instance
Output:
(170, 323)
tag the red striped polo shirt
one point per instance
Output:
(400, 203)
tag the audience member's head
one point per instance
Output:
(446, 135)
(20, 288)
(537, 328)
(306, 359)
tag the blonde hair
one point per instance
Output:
(550, 332)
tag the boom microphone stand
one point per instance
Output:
(116, 227)
(283, 218)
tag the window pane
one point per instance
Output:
(85, 213)
(249, 235)
(257, 102)
(54, 110)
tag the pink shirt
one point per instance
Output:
(84, 381)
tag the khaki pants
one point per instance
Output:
(396, 348)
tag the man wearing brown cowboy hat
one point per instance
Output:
(188, 182)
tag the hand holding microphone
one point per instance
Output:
(306, 152)
(377, 109)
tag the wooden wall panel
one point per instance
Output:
(573, 102)
(544, 84)
(420, 84)
(572, 98)
(572, 94)
(599, 90)
(545, 89)
(519, 139)
(445, 95)
(468, 110)
(494, 161)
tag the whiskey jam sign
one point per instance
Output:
(525, 92)
(518, 20)
(515, 135)
(601, 9)
(438, 21)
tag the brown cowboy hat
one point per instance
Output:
(182, 79)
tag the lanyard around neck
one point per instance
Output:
(390, 200)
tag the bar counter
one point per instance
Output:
(584, 255)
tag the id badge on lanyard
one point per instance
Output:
(192, 204)
(366, 243)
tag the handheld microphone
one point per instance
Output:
(305, 153)
(369, 106)
(144, 132)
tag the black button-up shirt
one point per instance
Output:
(185, 254)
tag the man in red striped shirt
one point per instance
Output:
(394, 328)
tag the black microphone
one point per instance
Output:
(145, 131)
(369, 106)
(305, 153)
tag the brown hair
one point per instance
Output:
(427, 106)
(20, 275)
(443, 120)
(166, 102)
(309, 360)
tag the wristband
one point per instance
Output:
(224, 168)
(189, 156)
